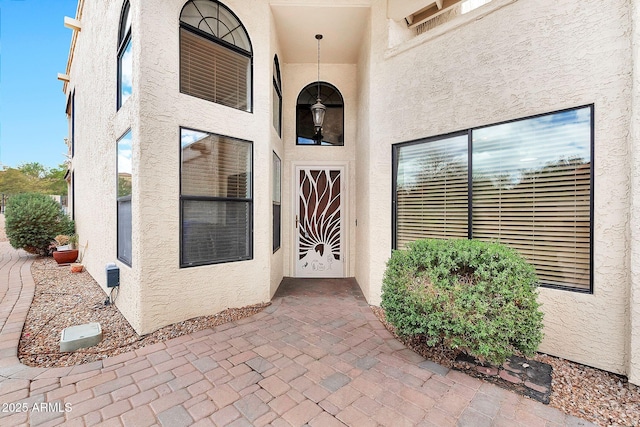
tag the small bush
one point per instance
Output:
(465, 294)
(33, 220)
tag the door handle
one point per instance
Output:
(297, 221)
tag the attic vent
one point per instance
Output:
(433, 10)
(426, 23)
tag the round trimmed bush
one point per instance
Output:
(470, 295)
(33, 220)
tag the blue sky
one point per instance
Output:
(34, 45)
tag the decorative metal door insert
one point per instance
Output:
(319, 223)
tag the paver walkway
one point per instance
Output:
(318, 356)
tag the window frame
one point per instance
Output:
(236, 49)
(328, 106)
(394, 194)
(277, 86)
(123, 42)
(276, 160)
(119, 199)
(183, 198)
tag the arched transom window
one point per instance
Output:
(333, 126)
(125, 58)
(215, 55)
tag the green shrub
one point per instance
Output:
(465, 294)
(33, 220)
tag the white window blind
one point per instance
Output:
(214, 72)
(432, 190)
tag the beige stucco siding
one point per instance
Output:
(522, 59)
(172, 293)
(633, 330)
(97, 128)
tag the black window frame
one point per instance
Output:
(311, 90)
(277, 205)
(124, 39)
(249, 201)
(119, 201)
(394, 199)
(277, 87)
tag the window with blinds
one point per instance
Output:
(531, 189)
(432, 190)
(215, 55)
(216, 198)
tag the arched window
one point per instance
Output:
(215, 55)
(333, 126)
(125, 59)
(277, 96)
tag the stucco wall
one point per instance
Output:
(97, 128)
(277, 259)
(170, 293)
(524, 58)
(634, 220)
(364, 232)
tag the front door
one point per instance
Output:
(319, 222)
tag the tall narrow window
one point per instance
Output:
(124, 198)
(277, 97)
(216, 198)
(333, 126)
(526, 183)
(215, 55)
(125, 58)
(277, 197)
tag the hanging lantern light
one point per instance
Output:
(318, 109)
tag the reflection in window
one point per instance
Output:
(276, 202)
(277, 97)
(216, 198)
(425, 170)
(125, 57)
(215, 55)
(531, 189)
(124, 168)
(333, 126)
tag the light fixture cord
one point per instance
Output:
(318, 69)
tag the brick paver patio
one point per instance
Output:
(318, 356)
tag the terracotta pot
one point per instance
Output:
(65, 257)
(76, 267)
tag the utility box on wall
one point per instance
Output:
(113, 275)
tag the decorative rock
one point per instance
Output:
(80, 336)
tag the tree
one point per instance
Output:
(33, 178)
(14, 181)
(33, 170)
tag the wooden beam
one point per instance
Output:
(73, 24)
(63, 77)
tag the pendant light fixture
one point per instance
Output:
(318, 109)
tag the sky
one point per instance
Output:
(34, 46)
